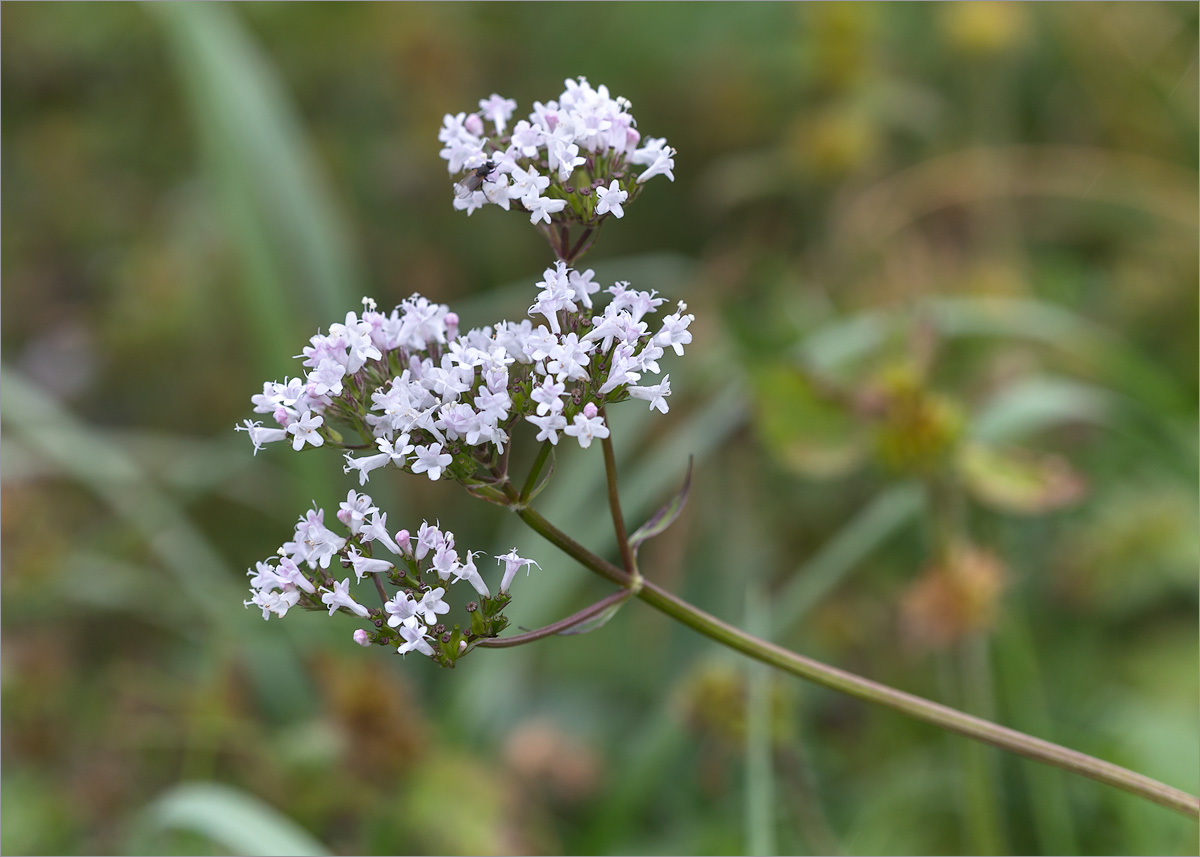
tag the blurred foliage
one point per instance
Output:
(942, 401)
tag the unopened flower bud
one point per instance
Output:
(360, 637)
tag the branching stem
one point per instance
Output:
(865, 689)
(614, 505)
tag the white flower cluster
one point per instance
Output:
(411, 614)
(583, 141)
(431, 400)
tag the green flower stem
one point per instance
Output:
(535, 471)
(614, 504)
(865, 689)
(383, 596)
(580, 246)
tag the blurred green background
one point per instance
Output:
(942, 399)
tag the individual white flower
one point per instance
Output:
(354, 510)
(365, 465)
(375, 530)
(496, 192)
(431, 604)
(548, 396)
(429, 538)
(609, 200)
(396, 450)
(366, 565)
(260, 435)
(540, 208)
(470, 203)
(355, 334)
(271, 601)
(339, 596)
(562, 152)
(541, 342)
(445, 562)
(431, 460)
(512, 564)
(527, 183)
(468, 572)
(624, 369)
(313, 542)
(569, 357)
(656, 395)
(555, 297)
(583, 287)
(327, 379)
(290, 575)
(454, 129)
(400, 608)
(587, 425)
(647, 358)
(674, 332)
(304, 431)
(415, 639)
(526, 138)
(661, 166)
(498, 109)
(549, 426)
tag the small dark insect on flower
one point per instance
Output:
(470, 183)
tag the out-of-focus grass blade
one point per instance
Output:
(189, 466)
(1009, 318)
(887, 513)
(1042, 402)
(49, 431)
(276, 205)
(1024, 695)
(760, 776)
(1038, 403)
(1025, 318)
(231, 818)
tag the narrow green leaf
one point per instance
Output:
(233, 819)
(598, 621)
(544, 478)
(278, 208)
(665, 516)
(1038, 403)
(870, 527)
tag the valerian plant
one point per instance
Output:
(415, 393)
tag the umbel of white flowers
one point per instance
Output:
(426, 397)
(571, 161)
(422, 568)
